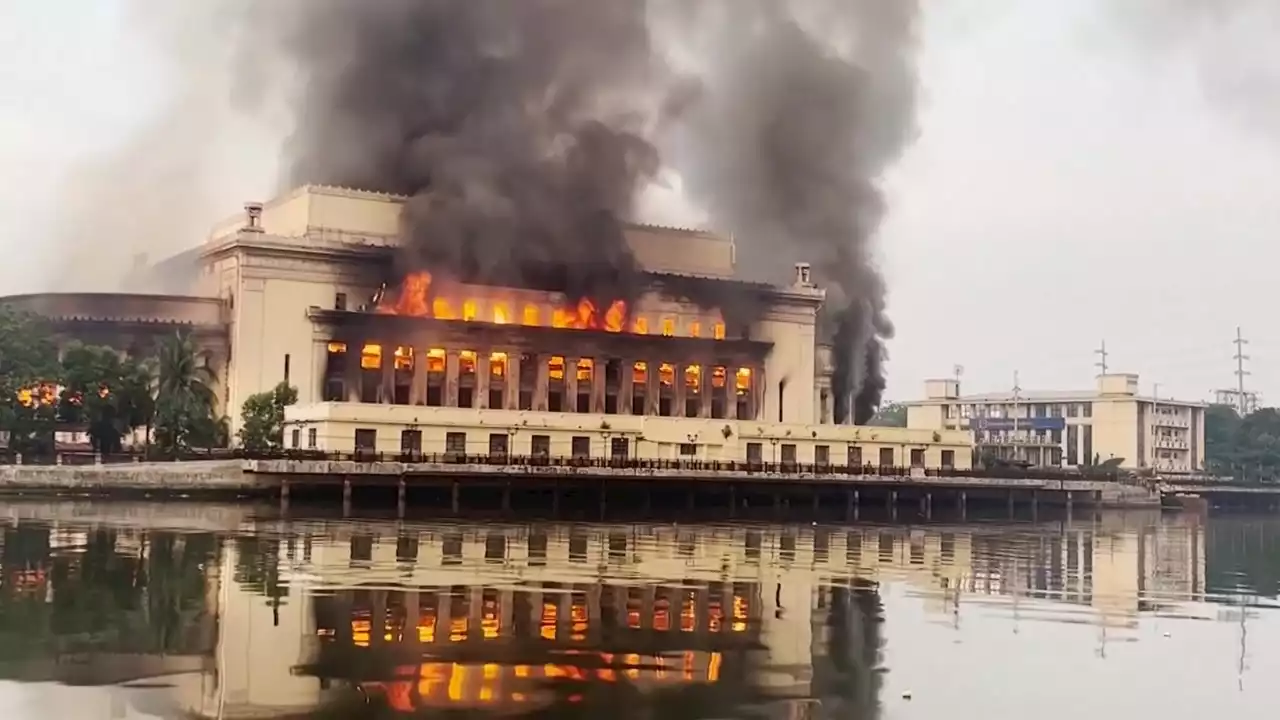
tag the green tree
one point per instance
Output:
(184, 397)
(890, 415)
(262, 426)
(28, 372)
(1221, 430)
(1246, 448)
(109, 394)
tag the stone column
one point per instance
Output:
(418, 390)
(451, 379)
(388, 373)
(598, 369)
(679, 390)
(706, 388)
(653, 388)
(513, 381)
(626, 386)
(570, 403)
(543, 384)
(351, 374)
(759, 386)
(482, 380)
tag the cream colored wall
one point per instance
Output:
(792, 332)
(270, 321)
(681, 251)
(925, 416)
(1115, 430)
(659, 437)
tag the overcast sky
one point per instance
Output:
(1078, 177)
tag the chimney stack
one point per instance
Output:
(253, 217)
(803, 275)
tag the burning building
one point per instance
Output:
(693, 363)
(398, 360)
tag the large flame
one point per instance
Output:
(416, 299)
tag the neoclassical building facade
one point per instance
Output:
(303, 292)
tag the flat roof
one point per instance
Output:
(1050, 396)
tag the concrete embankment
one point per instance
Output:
(236, 478)
(225, 477)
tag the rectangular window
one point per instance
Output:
(917, 458)
(886, 457)
(366, 441)
(297, 438)
(455, 443)
(498, 443)
(340, 301)
(789, 453)
(822, 454)
(411, 442)
(755, 452)
(311, 438)
(581, 447)
(688, 450)
(855, 456)
(619, 448)
(1087, 409)
(540, 446)
(1073, 410)
(948, 459)
(538, 543)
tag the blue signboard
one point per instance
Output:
(1038, 423)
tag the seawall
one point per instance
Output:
(226, 477)
(272, 478)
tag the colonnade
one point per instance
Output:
(515, 379)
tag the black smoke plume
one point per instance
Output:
(803, 106)
(521, 130)
(517, 129)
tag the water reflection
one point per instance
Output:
(383, 619)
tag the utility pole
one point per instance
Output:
(1240, 342)
(1017, 397)
(1101, 352)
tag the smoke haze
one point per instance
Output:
(159, 190)
(803, 106)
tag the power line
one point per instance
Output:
(1101, 352)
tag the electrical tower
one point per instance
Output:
(1240, 342)
(1101, 352)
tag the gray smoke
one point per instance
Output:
(517, 129)
(803, 106)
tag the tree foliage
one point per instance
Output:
(184, 397)
(890, 415)
(1246, 448)
(262, 416)
(99, 389)
(28, 374)
(109, 394)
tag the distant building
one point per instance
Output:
(1071, 428)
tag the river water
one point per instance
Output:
(215, 611)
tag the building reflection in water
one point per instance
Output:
(396, 619)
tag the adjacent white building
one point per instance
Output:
(1071, 427)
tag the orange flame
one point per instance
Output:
(415, 298)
